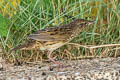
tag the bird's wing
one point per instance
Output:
(51, 34)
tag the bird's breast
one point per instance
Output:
(53, 45)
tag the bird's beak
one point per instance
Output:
(91, 22)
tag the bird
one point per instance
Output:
(51, 38)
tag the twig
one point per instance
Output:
(92, 46)
(78, 45)
(105, 45)
(87, 57)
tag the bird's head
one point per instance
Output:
(83, 22)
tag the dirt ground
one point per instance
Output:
(86, 69)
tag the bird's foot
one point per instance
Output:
(58, 63)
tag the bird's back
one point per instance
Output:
(59, 33)
(54, 37)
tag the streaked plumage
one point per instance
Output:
(54, 37)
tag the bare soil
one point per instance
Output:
(85, 69)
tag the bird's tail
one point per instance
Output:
(19, 47)
(26, 46)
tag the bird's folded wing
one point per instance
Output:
(49, 36)
(45, 37)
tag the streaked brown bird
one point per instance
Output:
(52, 38)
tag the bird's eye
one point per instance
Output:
(85, 23)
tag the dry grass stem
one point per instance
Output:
(93, 47)
(84, 57)
(78, 45)
(105, 45)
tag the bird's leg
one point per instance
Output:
(51, 59)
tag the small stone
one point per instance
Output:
(43, 73)
(39, 67)
(1, 67)
(51, 68)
